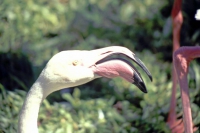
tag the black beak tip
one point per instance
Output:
(139, 82)
(151, 78)
(142, 87)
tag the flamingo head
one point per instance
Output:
(73, 68)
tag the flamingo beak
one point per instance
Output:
(139, 83)
(109, 67)
(113, 67)
(141, 64)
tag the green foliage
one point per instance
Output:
(41, 28)
(9, 109)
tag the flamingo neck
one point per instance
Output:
(30, 109)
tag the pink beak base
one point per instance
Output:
(118, 67)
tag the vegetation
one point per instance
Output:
(32, 31)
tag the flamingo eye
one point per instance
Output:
(75, 63)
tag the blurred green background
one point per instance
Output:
(32, 31)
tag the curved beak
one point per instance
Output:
(106, 66)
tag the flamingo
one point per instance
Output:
(177, 20)
(182, 58)
(72, 68)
